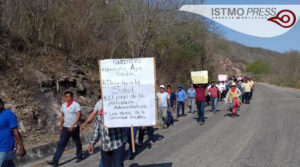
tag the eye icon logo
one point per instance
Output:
(284, 18)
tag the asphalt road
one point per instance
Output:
(266, 134)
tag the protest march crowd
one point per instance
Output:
(234, 92)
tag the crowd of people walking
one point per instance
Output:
(113, 141)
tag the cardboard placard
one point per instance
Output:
(222, 77)
(199, 77)
(128, 92)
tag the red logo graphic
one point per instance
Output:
(285, 18)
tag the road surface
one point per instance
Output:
(266, 134)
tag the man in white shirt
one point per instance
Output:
(163, 102)
(69, 127)
(222, 88)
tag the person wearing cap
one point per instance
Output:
(8, 134)
(191, 98)
(214, 94)
(181, 98)
(163, 99)
(233, 97)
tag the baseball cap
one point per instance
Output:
(179, 86)
(192, 85)
(162, 86)
(233, 84)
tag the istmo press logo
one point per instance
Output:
(255, 20)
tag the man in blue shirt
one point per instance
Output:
(191, 98)
(181, 98)
(8, 133)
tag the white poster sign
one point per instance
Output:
(222, 77)
(128, 92)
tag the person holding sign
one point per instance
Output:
(181, 98)
(96, 112)
(214, 94)
(163, 105)
(69, 127)
(200, 101)
(113, 142)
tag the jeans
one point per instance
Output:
(192, 104)
(128, 131)
(6, 159)
(243, 97)
(113, 158)
(101, 163)
(63, 141)
(180, 103)
(214, 102)
(150, 132)
(247, 97)
(162, 115)
(200, 109)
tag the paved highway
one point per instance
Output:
(266, 134)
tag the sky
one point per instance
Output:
(283, 43)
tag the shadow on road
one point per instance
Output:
(153, 165)
(230, 115)
(85, 155)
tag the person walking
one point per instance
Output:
(200, 101)
(214, 94)
(233, 97)
(172, 97)
(222, 88)
(150, 133)
(239, 86)
(113, 142)
(96, 112)
(252, 88)
(69, 128)
(191, 94)
(242, 82)
(9, 133)
(163, 99)
(170, 120)
(247, 91)
(181, 98)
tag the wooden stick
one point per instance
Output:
(132, 140)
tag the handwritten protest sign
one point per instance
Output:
(222, 77)
(199, 77)
(128, 92)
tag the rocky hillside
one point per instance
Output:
(48, 47)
